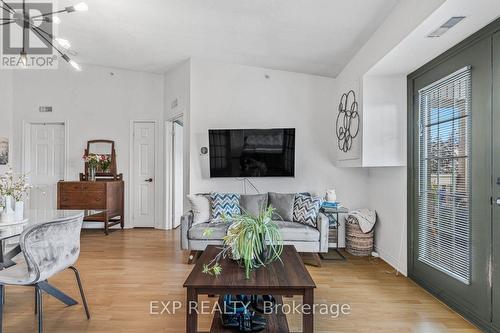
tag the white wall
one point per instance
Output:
(6, 111)
(177, 87)
(384, 143)
(386, 187)
(97, 105)
(176, 90)
(387, 194)
(384, 116)
(405, 17)
(234, 96)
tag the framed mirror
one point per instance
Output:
(105, 149)
(101, 147)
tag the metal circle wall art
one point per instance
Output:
(347, 123)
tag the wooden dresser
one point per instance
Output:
(107, 195)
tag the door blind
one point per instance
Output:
(444, 175)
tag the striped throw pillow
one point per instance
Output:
(306, 209)
(224, 205)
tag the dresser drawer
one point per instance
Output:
(93, 186)
(71, 187)
(82, 200)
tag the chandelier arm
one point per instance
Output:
(50, 14)
(10, 9)
(35, 29)
(45, 32)
(25, 27)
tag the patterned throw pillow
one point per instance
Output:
(306, 209)
(224, 205)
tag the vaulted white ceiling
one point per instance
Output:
(309, 36)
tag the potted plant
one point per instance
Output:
(255, 241)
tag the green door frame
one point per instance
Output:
(412, 158)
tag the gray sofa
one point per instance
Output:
(305, 238)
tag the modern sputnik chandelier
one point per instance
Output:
(28, 23)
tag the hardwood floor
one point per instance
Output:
(123, 272)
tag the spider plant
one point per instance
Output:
(254, 240)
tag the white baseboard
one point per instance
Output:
(391, 260)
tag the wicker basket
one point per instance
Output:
(357, 242)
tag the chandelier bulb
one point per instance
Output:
(75, 65)
(81, 7)
(64, 43)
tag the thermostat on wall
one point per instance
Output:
(45, 108)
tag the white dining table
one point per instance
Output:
(11, 229)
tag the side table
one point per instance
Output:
(333, 215)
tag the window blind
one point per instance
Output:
(444, 175)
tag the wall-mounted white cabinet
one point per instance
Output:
(381, 141)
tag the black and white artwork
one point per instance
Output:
(4, 151)
(347, 123)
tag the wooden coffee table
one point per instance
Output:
(277, 279)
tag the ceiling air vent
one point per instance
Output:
(45, 108)
(446, 26)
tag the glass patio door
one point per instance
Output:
(452, 167)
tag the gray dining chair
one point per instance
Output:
(48, 248)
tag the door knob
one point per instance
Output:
(498, 201)
(150, 180)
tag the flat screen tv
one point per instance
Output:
(252, 152)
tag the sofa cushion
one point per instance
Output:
(283, 204)
(224, 205)
(217, 231)
(200, 206)
(294, 231)
(253, 204)
(306, 209)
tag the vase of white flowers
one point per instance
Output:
(14, 188)
(9, 212)
(19, 210)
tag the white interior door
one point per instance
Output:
(143, 174)
(45, 163)
(178, 177)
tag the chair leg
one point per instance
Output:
(36, 300)
(39, 305)
(2, 292)
(82, 294)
